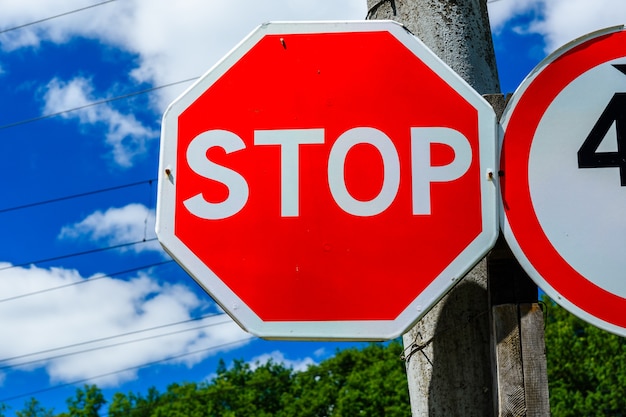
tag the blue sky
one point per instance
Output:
(53, 341)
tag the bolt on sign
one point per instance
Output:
(328, 180)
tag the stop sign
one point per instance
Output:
(328, 180)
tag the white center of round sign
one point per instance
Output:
(570, 202)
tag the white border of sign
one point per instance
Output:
(556, 217)
(335, 330)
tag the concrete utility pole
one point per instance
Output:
(456, 30)
(480, 350)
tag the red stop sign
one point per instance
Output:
(328, 180)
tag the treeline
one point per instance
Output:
(586, 372)
(366, 382)
(586, 367)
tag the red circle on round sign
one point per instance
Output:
(521, 224)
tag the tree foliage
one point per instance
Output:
(86, 403)
(586, 372)
(369, 382)
(586, 367)
(32, 408)
(134, 405)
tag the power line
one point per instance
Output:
(73, 196)
(107, 338)
(132, 368)
(84, 281)
(94, 103)
(45, 19)
(71, 255)
(25, 206)
(127, 342)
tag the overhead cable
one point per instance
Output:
(112, 345)
(71, 255)
(94, 103)
(84, 281)
(73, 196)
(107, 338)
(45, 19)
(132, 368)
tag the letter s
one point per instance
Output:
(237, 186)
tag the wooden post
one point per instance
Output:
(480, 350)
(520, 378)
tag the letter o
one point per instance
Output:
(336, 171)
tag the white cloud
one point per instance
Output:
(126, 136)
(176, 41)
(320, 352)
(25, 11)
(566, 20)
(278, 357)
(173, 40)
(131, 223)
(103, 308)
(502, 11)
(558, 21)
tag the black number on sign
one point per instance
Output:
(588, 155)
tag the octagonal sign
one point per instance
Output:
(328, 180)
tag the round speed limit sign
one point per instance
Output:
(563, 177)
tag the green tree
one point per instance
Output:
(368, 382)
(122, 405)
(181, 400)
(33, 408)
(586, 372)
(377, 386)
(244, 390)
(134, 405)
(87, 402)
(586, 367)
